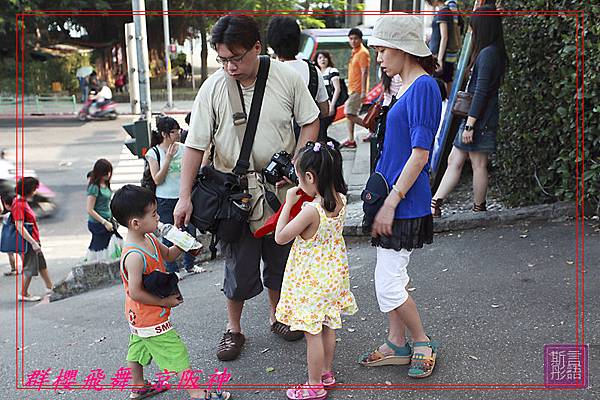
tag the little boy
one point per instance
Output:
(152, 334)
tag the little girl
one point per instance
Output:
(316, 285)
(100, 220)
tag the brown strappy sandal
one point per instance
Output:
(479, 207)
(436, 207)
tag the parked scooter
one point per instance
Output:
(42, 204)
(91, 110)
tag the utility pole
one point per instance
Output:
(141, 42)
(132, 64)
(167, 57)
(192, 57)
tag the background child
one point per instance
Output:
(152, 334)
(34, 262)
(100, 220)
(316, 284)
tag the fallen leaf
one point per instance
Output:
(388, 383)
(473, 357)
(355, 287)
(522, 236)
(411, 289)
(270, 369)
(530, 265)
(570, 262)
(363, 319)
(445, 269)
(102, 339)
(338, 339)
(495, 305)
(264, 351)
(351, 330)
(500, 237)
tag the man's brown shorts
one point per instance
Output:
(242, 265)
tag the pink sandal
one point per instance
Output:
(328, 380)
(312, 392)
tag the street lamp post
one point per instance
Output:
(167, 57)
(141, 44)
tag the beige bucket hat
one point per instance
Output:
(402, 31)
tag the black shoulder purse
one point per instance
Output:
(221, 203)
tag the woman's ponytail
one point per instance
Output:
(156, 138)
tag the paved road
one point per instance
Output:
(62, 151)
(526, 270)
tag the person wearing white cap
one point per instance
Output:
(404, 221)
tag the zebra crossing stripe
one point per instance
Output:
(129, 170)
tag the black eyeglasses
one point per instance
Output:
(234, 60)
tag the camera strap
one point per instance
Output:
(245, 125)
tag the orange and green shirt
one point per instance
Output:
(145, 320)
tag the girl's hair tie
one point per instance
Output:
(317, 147)
(330, 145)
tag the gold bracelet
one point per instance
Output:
(397, 190)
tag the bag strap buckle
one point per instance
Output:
(239, 118)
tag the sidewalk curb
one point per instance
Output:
(86, 277)
(470, 220)
(74, 115)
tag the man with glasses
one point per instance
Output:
(236, 40)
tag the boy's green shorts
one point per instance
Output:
(167, 350)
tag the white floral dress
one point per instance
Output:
(316, 283)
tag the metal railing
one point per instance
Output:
(39, 104)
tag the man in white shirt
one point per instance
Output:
(236, 40)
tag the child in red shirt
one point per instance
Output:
(34, 262)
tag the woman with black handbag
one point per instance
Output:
(402, 219)
(476, 137)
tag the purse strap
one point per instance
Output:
(245, 125)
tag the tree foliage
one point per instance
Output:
(539, 156)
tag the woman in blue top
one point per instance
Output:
(404, 221)
(164, 158)
(476, 137)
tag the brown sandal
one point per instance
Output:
(230, 346)
(479, 207)
(436, 207)
(284, 331)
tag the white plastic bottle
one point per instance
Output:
(181, 239)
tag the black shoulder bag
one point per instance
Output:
(221, 203)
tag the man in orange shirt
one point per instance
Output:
(358, 73)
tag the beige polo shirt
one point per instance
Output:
(286, 98)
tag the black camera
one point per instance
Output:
(279, 167)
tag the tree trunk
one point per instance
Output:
(204, 51)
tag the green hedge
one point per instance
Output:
(536, 159)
